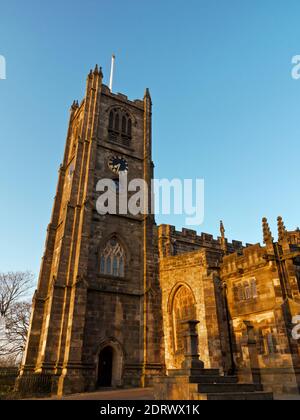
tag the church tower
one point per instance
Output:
(96, 318)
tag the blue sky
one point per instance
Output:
(226, 108)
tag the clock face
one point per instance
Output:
(117, 164)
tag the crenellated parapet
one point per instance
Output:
(173, 242)
(239, 263)
(122, 99)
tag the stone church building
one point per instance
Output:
(114, 290)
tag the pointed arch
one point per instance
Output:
(174, 292)
(118, 357)
(120, 125)
(181, 307)
(113, 256)
(124, 111)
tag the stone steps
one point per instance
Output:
(206, 372)
(194, 372)
(225, 388)
(239, 396)
(206, 384)
(193, 382)
(218, 387)
(213, 379)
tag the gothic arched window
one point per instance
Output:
(112, 259)
(184, 309)
(119, 126)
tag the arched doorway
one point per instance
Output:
(110, 362)
(105, 367)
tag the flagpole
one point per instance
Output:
(112, 72)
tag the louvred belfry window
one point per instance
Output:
(120, 126)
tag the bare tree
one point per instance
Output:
(13, 288)
(14, 315)
(16, 326)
